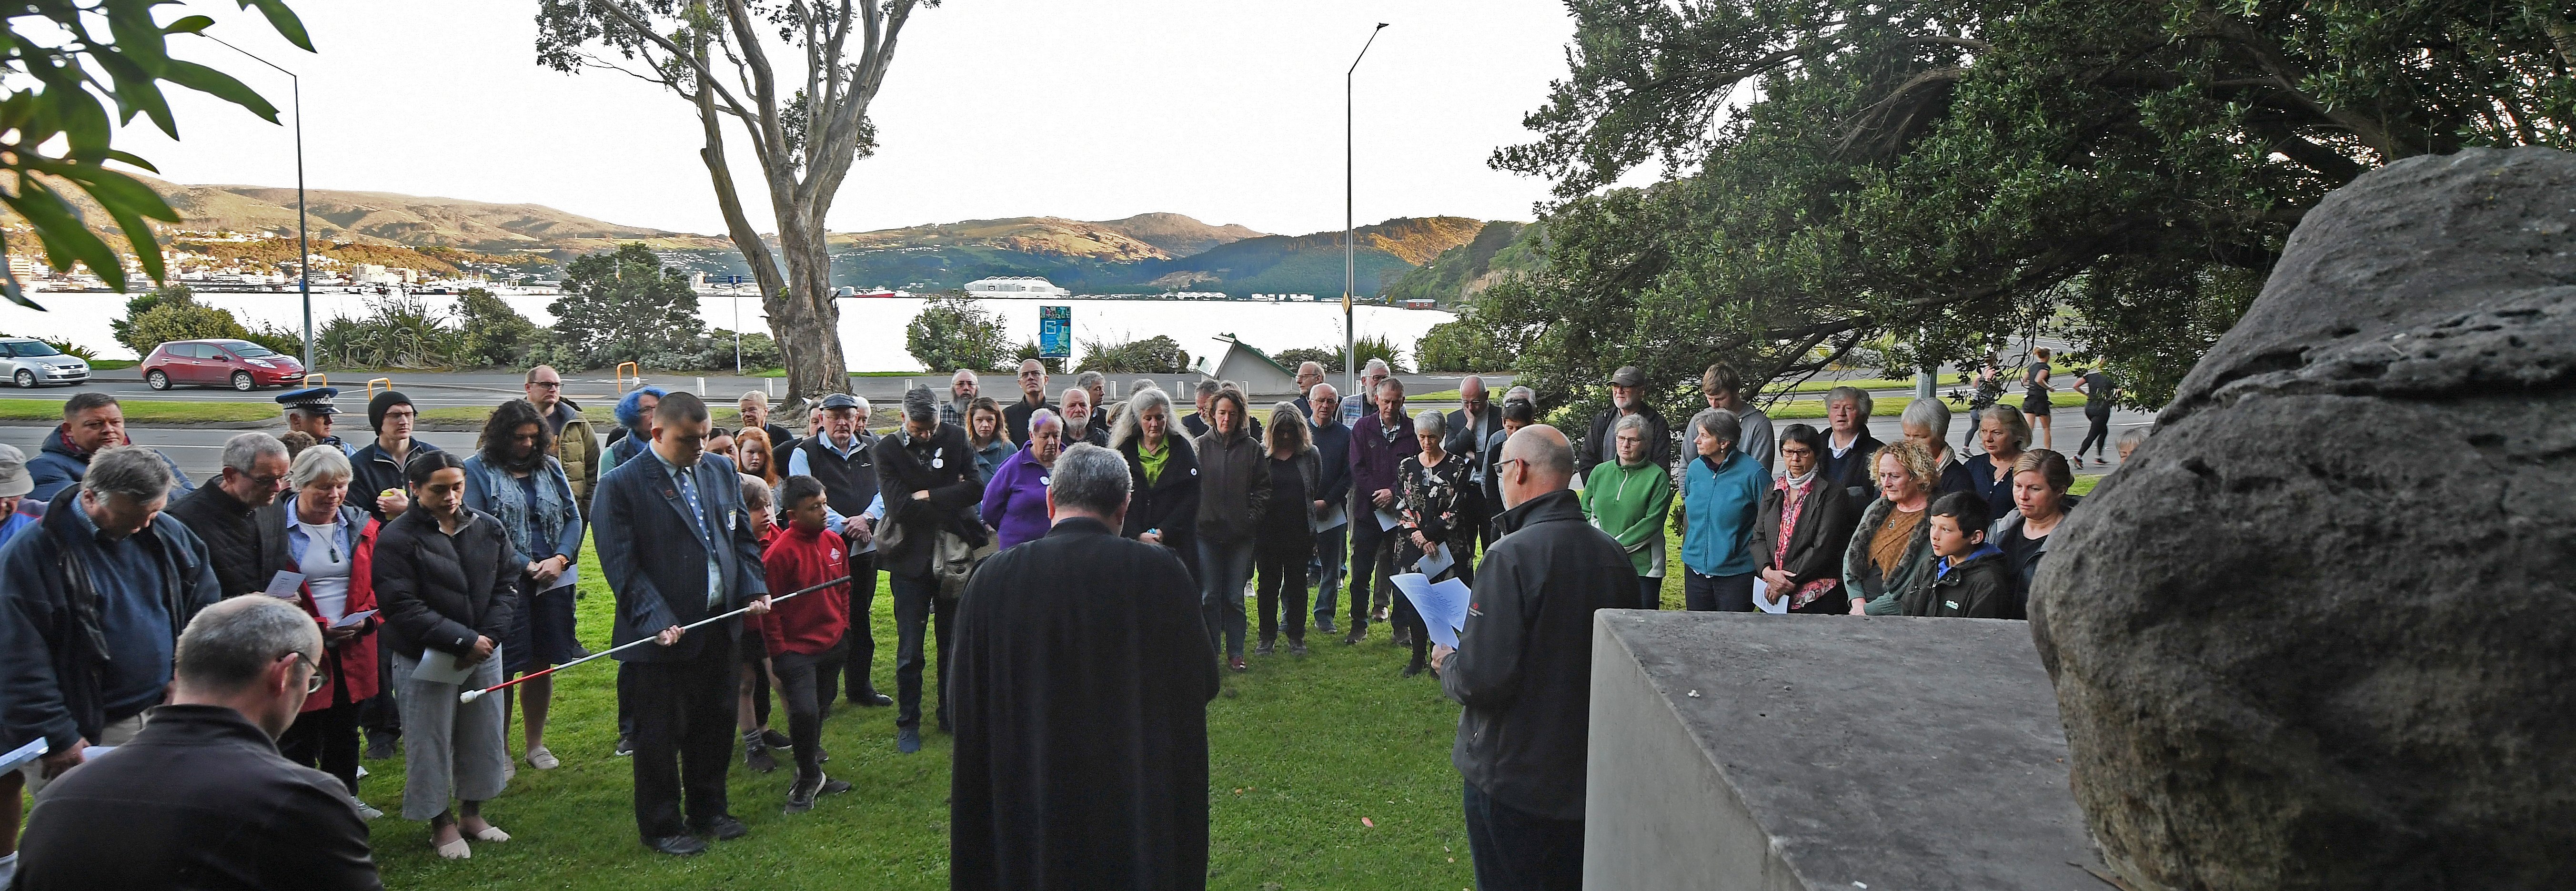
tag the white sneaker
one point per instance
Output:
(365, 812)
(362, 771)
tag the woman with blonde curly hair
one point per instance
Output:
(1892, 545)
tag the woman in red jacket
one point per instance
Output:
(800, 632)
(332, 545)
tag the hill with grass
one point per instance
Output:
(1501, 248)
(386, 218)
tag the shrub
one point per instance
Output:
(1329, 357)
(952, 332)
(67, 348)
(1460, 346)
(495, 334)
(397, 332)
(180, 320)
(624, 305)
(137, 305)
(1029, 350)
(1379, 346)
(1158, 354)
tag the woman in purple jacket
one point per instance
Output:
(1015, 500)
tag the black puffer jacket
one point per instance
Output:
(1980, 587)
(441, 592)
(230, 534)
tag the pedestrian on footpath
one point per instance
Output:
(1523, 671)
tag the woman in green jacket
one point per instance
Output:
(1628, 498)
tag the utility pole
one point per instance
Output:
(303, 237)
(1350, 248)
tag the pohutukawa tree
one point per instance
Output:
(796, 77)
(1948, 172)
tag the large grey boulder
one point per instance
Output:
(2321, 631)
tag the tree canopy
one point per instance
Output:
(1954, 172)
(625, 306)
(952, 332)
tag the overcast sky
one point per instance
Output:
(1230, 112)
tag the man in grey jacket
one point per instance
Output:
(1523, 670)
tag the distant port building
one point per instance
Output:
(1015, 287)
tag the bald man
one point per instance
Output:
(1523, 670)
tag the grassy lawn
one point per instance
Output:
(1300, 751)
(148, 411)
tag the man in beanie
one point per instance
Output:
(926, 475)
(17, 512)
(376, 483)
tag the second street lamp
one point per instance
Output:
(303, 238)
(1350, 249)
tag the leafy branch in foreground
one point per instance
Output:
(64, 73)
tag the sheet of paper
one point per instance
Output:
(24, 755)
(1762, 598)
(1443, 606)
(1435, 561)
(283, 585)
(92, 753)
(1337, 516)
(353, 619)
(1386, 520)
(441, 668)
(571, 576)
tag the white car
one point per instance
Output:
(35, 363)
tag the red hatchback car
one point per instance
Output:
(240, 364)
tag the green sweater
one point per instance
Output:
(1629, 503)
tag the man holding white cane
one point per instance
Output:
(677, 546)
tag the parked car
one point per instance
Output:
(31, 363)
(240, 364)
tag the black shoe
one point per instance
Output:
(777, 740)
(907, 740)
(677, 845)
(1298, 647)
(822, 755)
(723, 828)
(1413, 669)
(1325, 624)
(625, 747)
(1266, 648)
(1359, 632)
(1402, 639)
(871, 699)
(800, 797)
(380, 747)
(757, 757)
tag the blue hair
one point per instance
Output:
(630, 407)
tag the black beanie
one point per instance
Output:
(383, 402)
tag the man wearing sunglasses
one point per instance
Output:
(201, 796)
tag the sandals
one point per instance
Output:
(489, 833)
(455, 850)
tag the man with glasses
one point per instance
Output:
(1469, 427)
(574, 444)
(1033, 390)
(376, 471)
(220, 511)
(95, 599)
(962, 389)
(181, 797)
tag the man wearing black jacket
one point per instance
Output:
(201, 799)
(1523, 670)
(1850, 452)
(219, 512)
(926, 474)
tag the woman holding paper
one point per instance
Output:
(1433, 487)
(515, 478)
(444, 574)
(316, 534)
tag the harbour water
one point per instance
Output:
(872, 329)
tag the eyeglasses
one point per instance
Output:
(313, 683)
(551, 385)
(1508, 461)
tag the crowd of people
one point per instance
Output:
(1079, 567)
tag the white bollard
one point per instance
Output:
(702, 388)
(769, 385)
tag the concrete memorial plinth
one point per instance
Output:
(1751, 751)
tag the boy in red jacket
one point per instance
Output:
(802, 631)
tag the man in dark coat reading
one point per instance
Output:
(1082, 678)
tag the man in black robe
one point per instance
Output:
(1082, 677)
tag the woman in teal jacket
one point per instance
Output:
(1628, 498)
(1721, 495)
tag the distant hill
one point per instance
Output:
(413, 221)
(1312, 264)
(1503, 247)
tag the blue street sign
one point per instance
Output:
(1055, 332)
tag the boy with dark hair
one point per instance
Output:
(803, 631)
(1972, 578)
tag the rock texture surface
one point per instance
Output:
(2321, 633)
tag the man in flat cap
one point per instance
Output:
(310, 410)
(1627, 397)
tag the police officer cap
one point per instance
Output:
(311, 399)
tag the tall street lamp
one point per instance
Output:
(1350, 248)
(303, 239)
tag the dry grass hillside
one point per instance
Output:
(1153, 236)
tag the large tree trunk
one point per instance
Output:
(803, 312)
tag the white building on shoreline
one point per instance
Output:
(1015, 287)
